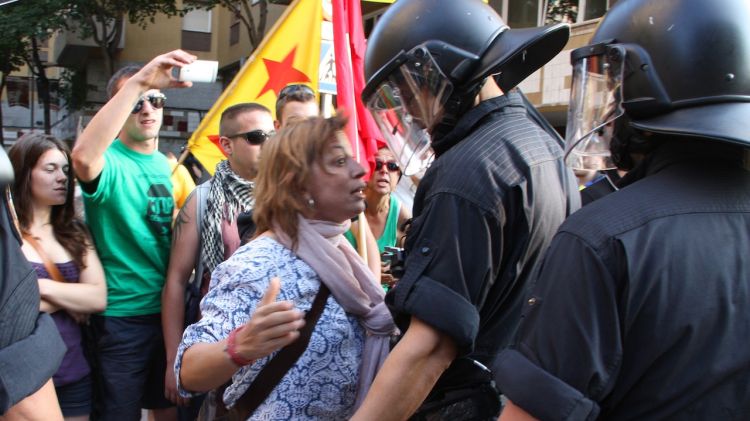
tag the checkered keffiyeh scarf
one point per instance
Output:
(228, 196)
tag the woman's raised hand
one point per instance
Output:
(274, 325)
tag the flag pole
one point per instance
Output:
(361, 237)
(181, 159)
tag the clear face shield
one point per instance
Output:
(408, 105)
(595, 104)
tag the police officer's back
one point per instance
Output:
(642, 305)
(485, 209)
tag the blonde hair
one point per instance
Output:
(286, 163)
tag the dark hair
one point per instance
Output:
(294, 95)
(69, 231)
(124, 73)
(284, 172)
(230, 113)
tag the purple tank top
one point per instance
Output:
(74, 365)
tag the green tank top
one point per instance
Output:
(390, 232)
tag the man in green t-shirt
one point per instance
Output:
(128, 200)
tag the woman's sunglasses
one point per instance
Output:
(390, 165)
(157, 101)
(255, 137)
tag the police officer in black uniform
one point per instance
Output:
(485, 209)
(641, 310)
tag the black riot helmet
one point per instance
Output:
(666, 67)
(426, 61)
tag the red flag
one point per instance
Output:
(349, 48)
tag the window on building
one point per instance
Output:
(561, 11)
(370, 16)
(527, 13)
(595, 9)
(368, 25)
(234, 30)
(519, 13)
(573, 11)
(234, 33)
(196, 30)
(523, 13)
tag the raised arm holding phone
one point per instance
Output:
(128, 199)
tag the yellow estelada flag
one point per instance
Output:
(289, 53)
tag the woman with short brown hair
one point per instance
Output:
(308, 187)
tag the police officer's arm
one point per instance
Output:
(185, 243)
(422, 355)
(88, 153)
(429, 295)
(575, 304)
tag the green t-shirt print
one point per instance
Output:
(130, 216)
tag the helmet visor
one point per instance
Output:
(595, 104)
(407, 107)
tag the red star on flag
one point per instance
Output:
(281, 74)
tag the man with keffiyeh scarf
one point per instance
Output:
(206, 231)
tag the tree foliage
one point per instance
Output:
(102, 20)
(12, 51)
(25, 27)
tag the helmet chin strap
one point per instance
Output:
(627, 141)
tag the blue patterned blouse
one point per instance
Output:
(322, 384)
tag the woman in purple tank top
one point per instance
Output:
(43, 198)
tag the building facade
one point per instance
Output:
(217, 34)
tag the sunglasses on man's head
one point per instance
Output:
(157, 101)
(390, 165)
(292, 89)
(255, 137)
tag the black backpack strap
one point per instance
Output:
(193, 287)
(201, 197)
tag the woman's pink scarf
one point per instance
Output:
(322, 245)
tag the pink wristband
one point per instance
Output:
(232, 351)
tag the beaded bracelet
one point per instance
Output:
(232, 351)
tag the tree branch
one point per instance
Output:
(251, 31)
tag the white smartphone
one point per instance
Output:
(199, 71)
